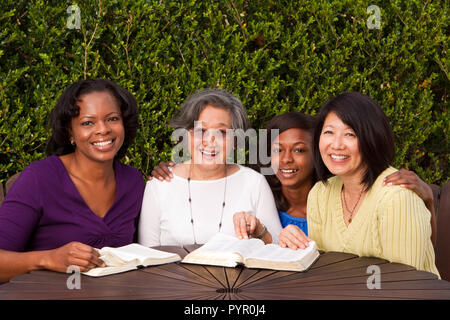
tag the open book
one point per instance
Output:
(130, 257)
(228, 251)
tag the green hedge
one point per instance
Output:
(276, 56)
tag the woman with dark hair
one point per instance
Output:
(208, 194)
(292, 161)
(78, 198)
(290, 141)
(349, 210)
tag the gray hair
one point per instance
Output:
(194, 105)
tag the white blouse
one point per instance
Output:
(165, 215)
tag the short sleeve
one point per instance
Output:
(313, 215)
(20, 212)
(149, 229)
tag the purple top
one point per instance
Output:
(44, 210)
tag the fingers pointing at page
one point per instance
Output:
(245, 224)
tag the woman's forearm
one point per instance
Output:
(16, 263)
(266, 237)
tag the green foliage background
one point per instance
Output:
(277, 56)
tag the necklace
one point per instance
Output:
(190, 201)
(346, 207)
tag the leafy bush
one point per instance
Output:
(277, 56)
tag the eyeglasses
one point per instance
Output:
(201, 133)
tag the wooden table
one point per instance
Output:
(333, 276)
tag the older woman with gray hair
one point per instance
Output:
(208, 194)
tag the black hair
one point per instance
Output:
(283, 122)
(371, 126)
(66, 108)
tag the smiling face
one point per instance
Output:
(292, 157)
(98, 130)
(339, 148)
(210, 137)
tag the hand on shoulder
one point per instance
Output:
(409, 180)
(163, 171)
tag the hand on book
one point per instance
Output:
(228, 251)
(293, 237)
(246, 225)
(130, 257)
(73, 253)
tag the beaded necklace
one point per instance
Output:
(190, 201)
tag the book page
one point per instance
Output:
(112, 260)
(225, 243)
(223, 250)
(136, 251)
(99, 272)
(273, 252)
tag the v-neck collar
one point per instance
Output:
(78, 194)
(347, 232)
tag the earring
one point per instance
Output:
(72, 142)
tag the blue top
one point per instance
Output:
(286, 219)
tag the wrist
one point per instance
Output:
(429, 200)
(262, 232)
(40, 260)
(429, 197)
(259, 227)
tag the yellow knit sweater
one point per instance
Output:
(392, 223)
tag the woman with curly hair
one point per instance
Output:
(78, 198)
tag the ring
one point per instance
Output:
(248, 225)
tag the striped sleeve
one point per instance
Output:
(405, 231)
(313, 215)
